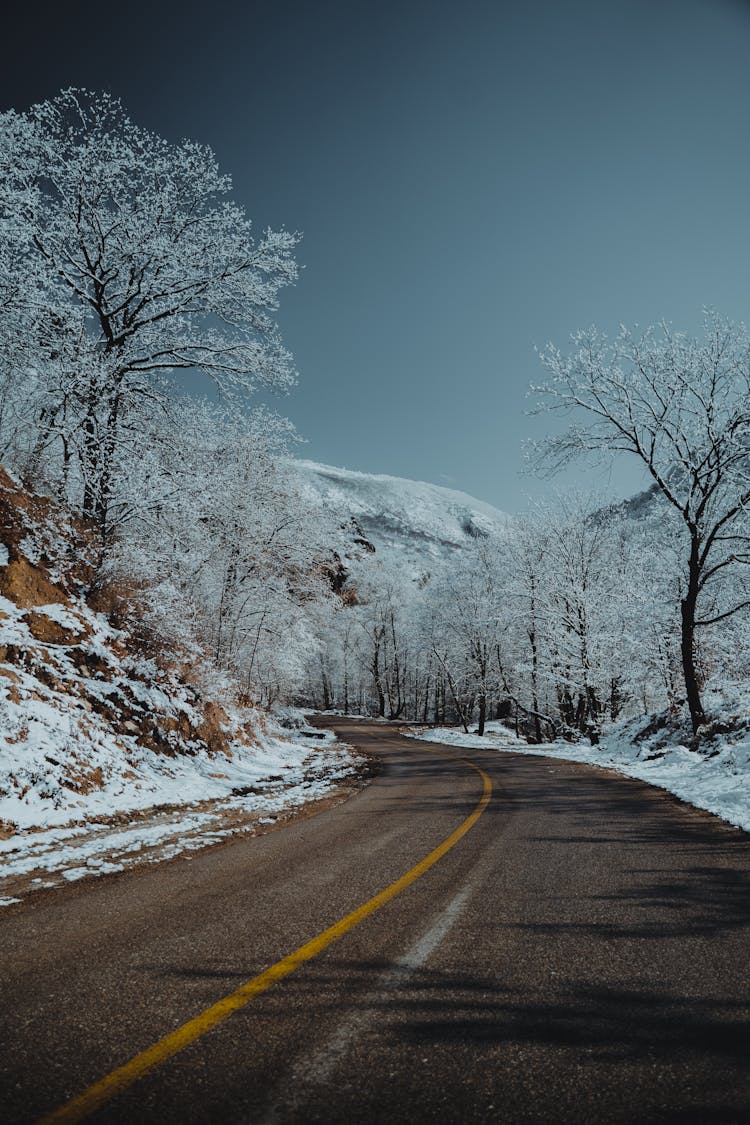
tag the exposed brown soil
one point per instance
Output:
(28, 585)
(50, 632)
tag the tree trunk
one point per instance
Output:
(482, 713)
(534, 662)
(687, 606)
(325, 684)
(535, 685)
(89, 465)
(377, 679)
(566, 707)
(105, 490)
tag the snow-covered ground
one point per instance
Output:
(410, 523)
(54, 773)
(189, 807)
(114, 749)
(716, 778)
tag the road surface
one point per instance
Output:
(569, 947)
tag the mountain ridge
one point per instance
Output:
(406, 520)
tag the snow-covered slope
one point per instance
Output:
(99, 718)
(407, 521)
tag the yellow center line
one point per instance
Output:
(114, 1083)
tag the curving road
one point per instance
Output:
(575, 949)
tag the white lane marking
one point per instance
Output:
(316, 1069)
(430, 940)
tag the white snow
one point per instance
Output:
(308, 770)
(138, 778)
(109, 756)
(63, 760)
(407, 521)
(719, 783)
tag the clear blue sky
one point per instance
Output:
(471, 179)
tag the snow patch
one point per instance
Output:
(306, 773)
(409, 522)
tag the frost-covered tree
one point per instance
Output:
(566, 607)
(389, 599)
(527, 603)
(681, 406)
(211, 519)
(130, 262)
(584, 610)
(465, 623)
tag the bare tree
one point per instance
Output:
(682, 407)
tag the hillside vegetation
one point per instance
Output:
(96, 715)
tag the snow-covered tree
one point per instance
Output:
(130, 263)
(210, 510)
(465, 622)
(682, 407)
(527, 586)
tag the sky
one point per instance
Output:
(471, 179)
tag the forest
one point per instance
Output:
(138, 312)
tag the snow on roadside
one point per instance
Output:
(311, 765)
(129, 776)
(115, 749)
(89, 729)
(717, 779)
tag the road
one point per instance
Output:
(579, 954)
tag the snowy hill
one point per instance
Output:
(404, 520)
(101, 722)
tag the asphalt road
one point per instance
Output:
(581, 954)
